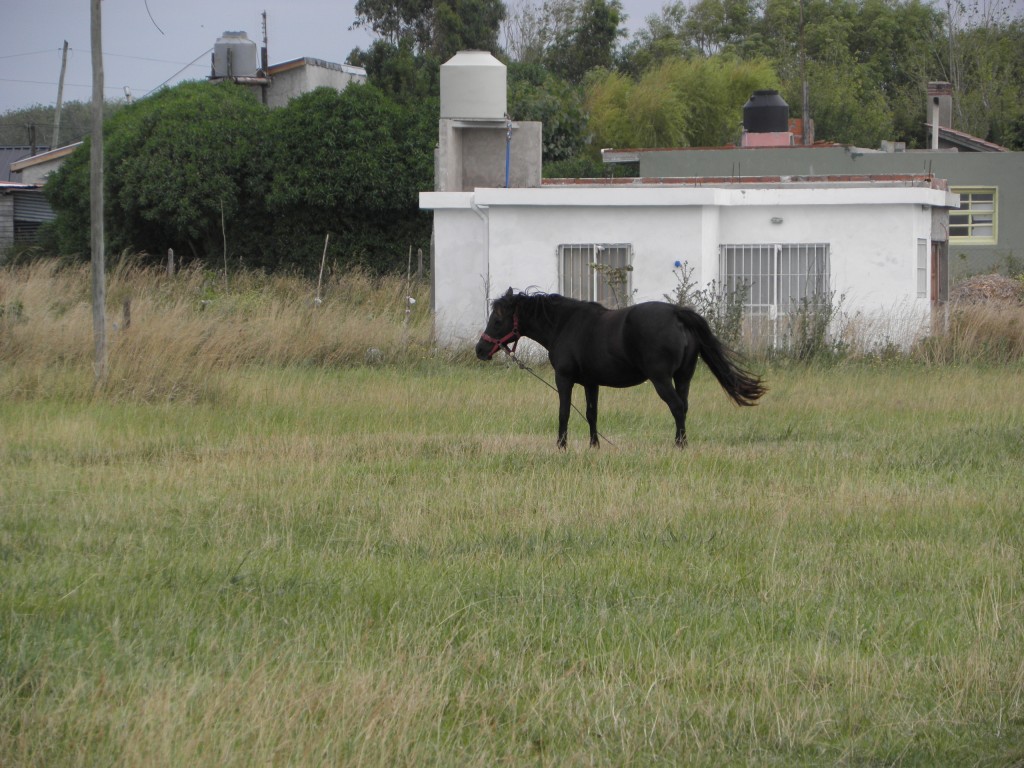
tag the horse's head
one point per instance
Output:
(502, 327)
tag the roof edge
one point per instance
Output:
(43, 157)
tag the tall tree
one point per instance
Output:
(18, 127)
(586, 39)
(524, 32)
(434, 28)
(866, 63)
(679, 103)
(714, 25)
(661, 38)
(984, 61)
(536, 94)
(399, 71)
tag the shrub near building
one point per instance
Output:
(205, 169)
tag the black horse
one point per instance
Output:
(594, 346)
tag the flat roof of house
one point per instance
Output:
(611, 155)
(307, 61)
(826, 180)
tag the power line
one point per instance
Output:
(33, 53)
(197, 58)
(87, 51)
(117, 88)
(67, 85)
(143, 58)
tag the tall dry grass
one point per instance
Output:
(976, 333)
(173, 338)
(959, 333)
(170, 337)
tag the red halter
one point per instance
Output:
(502, 343)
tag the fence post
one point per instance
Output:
(170, 262)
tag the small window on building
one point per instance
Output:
(775, 277)
(922, 269)
(975, 220)
(599, 272)
(778, 284)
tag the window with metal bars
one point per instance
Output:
(922, 268)
(776, 277)
(975, 220)
(599, 272)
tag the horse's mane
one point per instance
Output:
(542, 300)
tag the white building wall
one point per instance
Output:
(501, 238)
(291, 80)
(460, 297)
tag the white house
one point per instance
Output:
(237, 58)
(294, 78)
(878, 242)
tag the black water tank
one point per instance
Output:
(766, 112)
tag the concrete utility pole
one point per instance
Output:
(99, 286)
(60, 98)
(805, 113)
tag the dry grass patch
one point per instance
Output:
(170, 337)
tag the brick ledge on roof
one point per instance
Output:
(890, 179)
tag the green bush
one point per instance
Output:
(204, 169)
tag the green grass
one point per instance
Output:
(393, 566)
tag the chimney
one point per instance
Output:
(940, 109)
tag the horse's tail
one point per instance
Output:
(743, 386)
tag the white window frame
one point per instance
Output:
(775, 275)
(976, 222)
(577, 277)
(922, 268)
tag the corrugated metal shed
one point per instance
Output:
(23, 210)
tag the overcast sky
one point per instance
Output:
(149, 43)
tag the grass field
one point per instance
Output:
(335, 563)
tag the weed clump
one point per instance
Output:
(170, 337)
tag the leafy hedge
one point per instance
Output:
(203, 164)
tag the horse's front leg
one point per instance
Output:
(564, 385)
(591, 392)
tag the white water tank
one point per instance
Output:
(235, 55)
(473, 87)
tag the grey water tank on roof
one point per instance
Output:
(766, 112)
(235, 55)
(473, 87)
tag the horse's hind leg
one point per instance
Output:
(591, 392)
(682, 378)
(676, 404)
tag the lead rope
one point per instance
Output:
(548, 384)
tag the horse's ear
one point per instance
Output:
(508, 293)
